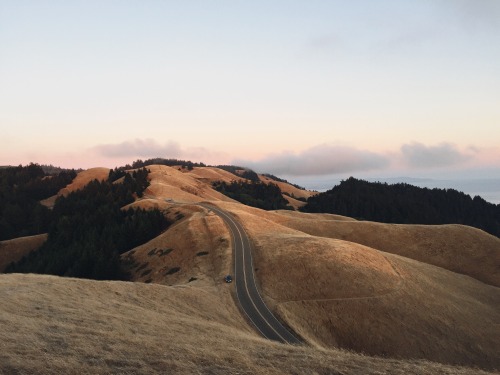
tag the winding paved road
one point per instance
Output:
(246, 289)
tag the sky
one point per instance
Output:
(302, 89)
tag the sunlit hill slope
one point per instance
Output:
(365, 297)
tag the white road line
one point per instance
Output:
(248, 291)
(235, 278)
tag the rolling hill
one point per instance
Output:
(52, 325)
(366, 297)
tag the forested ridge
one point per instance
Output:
(162, 161)
(88, 229)
(406, 204)
(21, 189)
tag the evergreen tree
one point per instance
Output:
(255, 194)
(406, 204)
(89, 230)
(21, 189)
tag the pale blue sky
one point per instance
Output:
(319, 87)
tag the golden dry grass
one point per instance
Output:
(340, 283)
(81, 179)
(458, 248)
(195, 250)
(212, 174)
(285, 216)
(84, 177)
(287, 188)
(13, 250)
(170, 183)
(337, 293)
(53, 325)
(295, 203)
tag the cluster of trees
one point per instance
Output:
(406, 204)
(240, 172)
(255, 194)
(53, 170)
(161, 161)
(136, 182)
(21, 189)
(89, 230)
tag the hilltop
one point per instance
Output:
(411, 298)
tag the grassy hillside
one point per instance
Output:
(52, 325)
(13, 250)
(457, 248)
(413, 298)
(338, 293)
(196, 250)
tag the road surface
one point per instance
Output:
(246, 289)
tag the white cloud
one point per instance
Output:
(319, 160)
(418, 155)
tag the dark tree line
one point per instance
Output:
(89, 231)
(255, 194)
(53, 170)
(161, 161)
(406, 204)
(21, 189)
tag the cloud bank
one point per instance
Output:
(319, 160)
(418, 155)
